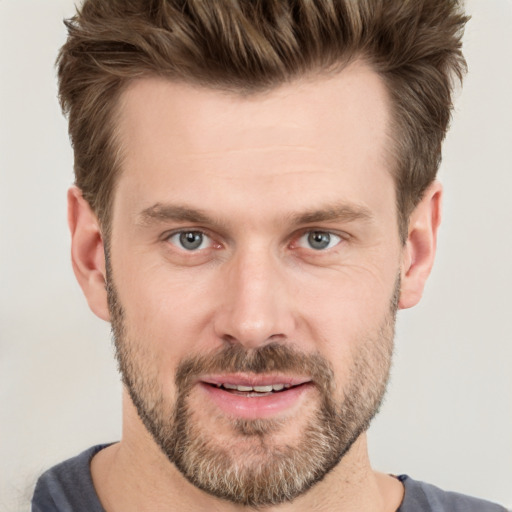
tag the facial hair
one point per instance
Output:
(266, 472)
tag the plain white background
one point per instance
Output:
(447, 418)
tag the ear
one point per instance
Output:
(87, 252)
(420, 247)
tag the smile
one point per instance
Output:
(254, 390)
(255, 397)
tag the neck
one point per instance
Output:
(134, 475)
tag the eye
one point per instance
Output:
(190, 240)
(318, 240)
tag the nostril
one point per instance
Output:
(273, 338)
(228, 338)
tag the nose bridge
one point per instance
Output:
(255, 308)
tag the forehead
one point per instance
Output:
(319, 137)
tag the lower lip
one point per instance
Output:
(255, 407)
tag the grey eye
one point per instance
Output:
(319, 240)
(190, 240)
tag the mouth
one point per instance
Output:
(255, 397)
(253, 391)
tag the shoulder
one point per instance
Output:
(420, 496)
(68, 486)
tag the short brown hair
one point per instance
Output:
(251, 45)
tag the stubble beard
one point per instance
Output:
(264, 473)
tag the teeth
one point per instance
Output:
(258, 389)
(263, 389)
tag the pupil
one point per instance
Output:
(319, 240)
(191, 240)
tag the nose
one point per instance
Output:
(255, 306)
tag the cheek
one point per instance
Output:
(352, 296)
(347, 312)
(166, 314)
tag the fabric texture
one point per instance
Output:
(420, 496)
(68, 487)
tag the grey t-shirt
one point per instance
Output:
(68, 487)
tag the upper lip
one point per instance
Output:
(244, 379)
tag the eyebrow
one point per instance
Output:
(342, 212)
(168, 212)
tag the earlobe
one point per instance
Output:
(420, 247)
(87, 252)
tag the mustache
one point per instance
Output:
(271, 358)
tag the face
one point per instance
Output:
(253, 276)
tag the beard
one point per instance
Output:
(253, 468)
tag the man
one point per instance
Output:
(255, 198)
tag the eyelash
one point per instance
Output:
(181, 232)
(315, 232)
(338, 238)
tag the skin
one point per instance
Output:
(254, 166)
